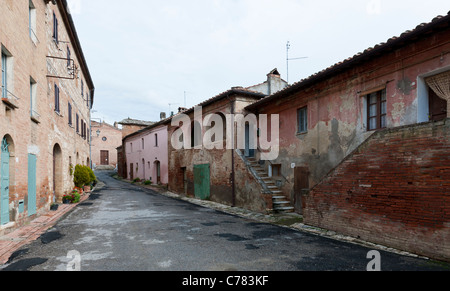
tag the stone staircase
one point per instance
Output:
(281, 204)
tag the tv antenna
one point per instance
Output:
(288, 47)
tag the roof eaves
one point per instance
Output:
(359, 57)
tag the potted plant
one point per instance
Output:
(75, 197)
(80, 176)
(67, 199)
(54, 207)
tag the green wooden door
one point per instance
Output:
(31, 184)
(4, 184)
(202, 181)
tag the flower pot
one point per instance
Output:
(54, 207)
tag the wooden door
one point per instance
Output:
(438, 106)
(104, 158)
(249, 142)
(202, 184)
(4, 185)
(301, 183)
(31, 184)
(158, 172)
(131, 172)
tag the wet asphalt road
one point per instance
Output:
(125, 228)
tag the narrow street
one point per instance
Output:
(126, 228)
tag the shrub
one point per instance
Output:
(136, 180)
(148, 182)
(92, 177)
(81, 176)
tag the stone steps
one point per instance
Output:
(281, 204)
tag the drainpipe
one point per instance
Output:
(233, 175)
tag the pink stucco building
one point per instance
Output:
(146, 155)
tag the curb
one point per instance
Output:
(24, 235)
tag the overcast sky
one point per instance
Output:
(144, 54)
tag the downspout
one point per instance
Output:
(233, 174)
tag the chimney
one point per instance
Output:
(274, 82)
(162, 116)
(181, 109)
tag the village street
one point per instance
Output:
(123, 227)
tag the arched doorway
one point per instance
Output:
(57, 173)
(158, 172)
(7, 177)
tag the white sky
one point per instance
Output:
(144, 54)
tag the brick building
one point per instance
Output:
(219, 173)
(364, 144)
(105, 139)
(47, 94)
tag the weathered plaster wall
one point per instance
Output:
(221, 165)
(337, 112)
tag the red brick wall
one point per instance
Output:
(393, 190)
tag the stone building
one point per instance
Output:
(105, 139)
(47, 93)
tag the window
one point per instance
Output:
(376, 110)
(302, 120)
(70, 113)
(77, 119)
(156, 140)
(57, 99)
(55, 28)
(143, 144)
(33, 101)
(4, 76)
(32, 21)
(68, 56)
(82, 88)
(82, 128)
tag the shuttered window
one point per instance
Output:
(57, 99)
(4, 76)
(55, 28)
(70, 113)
